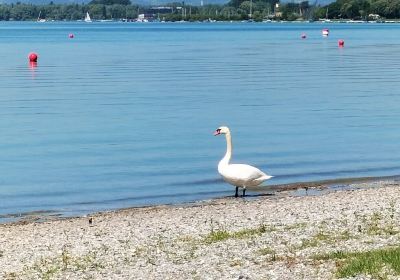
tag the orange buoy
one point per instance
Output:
(325, 32)
(303, 35)
(341, 43)
(71, 35)
(33, 57)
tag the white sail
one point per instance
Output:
(40, 19)
(87, 17)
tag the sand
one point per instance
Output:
(269, 237)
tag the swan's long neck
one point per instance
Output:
(225, 160)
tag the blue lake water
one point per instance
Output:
(123, 114)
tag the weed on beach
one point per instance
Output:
(221, 235)
(325, 238)
(381, 222)
(53, 267)
(269, 253)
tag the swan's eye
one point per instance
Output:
(218, 130)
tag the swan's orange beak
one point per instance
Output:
(217, 132)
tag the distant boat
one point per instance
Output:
(40, 19)
(87, 17)
(326, 16)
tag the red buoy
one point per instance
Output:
(341, 43)
(33, 57)
(303, 35)
(71, 35)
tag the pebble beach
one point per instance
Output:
(267, 237)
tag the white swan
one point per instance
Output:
(239, 175)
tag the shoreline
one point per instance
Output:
(331, 21)
(264, 238)
(307, 188)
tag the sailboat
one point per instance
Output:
(40, 19)
(326, 16)
(87, 17)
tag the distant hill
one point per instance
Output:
(157, 2)
(190, 2)
(137, 2)
(45, 2)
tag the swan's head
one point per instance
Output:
(221, 130)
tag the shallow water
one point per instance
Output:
(123, 114)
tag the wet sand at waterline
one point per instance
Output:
(264, 237)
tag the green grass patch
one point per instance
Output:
(266, 251)
(315, 240)
(221, 235)
(351, 264)
(216, 236)
(295, 226)
(270, 253)
(325, 238)
(307, 243)
(330, 256)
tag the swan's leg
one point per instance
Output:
(244, 191)
(237, 189)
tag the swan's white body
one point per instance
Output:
(242, 175)
(239, 175)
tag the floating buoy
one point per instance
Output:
(33, 57)
(71, 35)
(325, 32)
(341, 43)
(303, 35)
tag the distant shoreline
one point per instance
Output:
(333, 21)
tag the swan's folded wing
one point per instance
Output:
(243, 172)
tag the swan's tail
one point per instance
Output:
(266, 177)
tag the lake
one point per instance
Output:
(123, 114)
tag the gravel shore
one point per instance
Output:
(268, 237)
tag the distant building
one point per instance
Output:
(145, 17)
(277, 12)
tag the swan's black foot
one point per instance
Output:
(244, 192)
(236, 193)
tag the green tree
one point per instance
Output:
(110, 2)
(116, 11)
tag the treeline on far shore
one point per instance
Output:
(256, 10)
